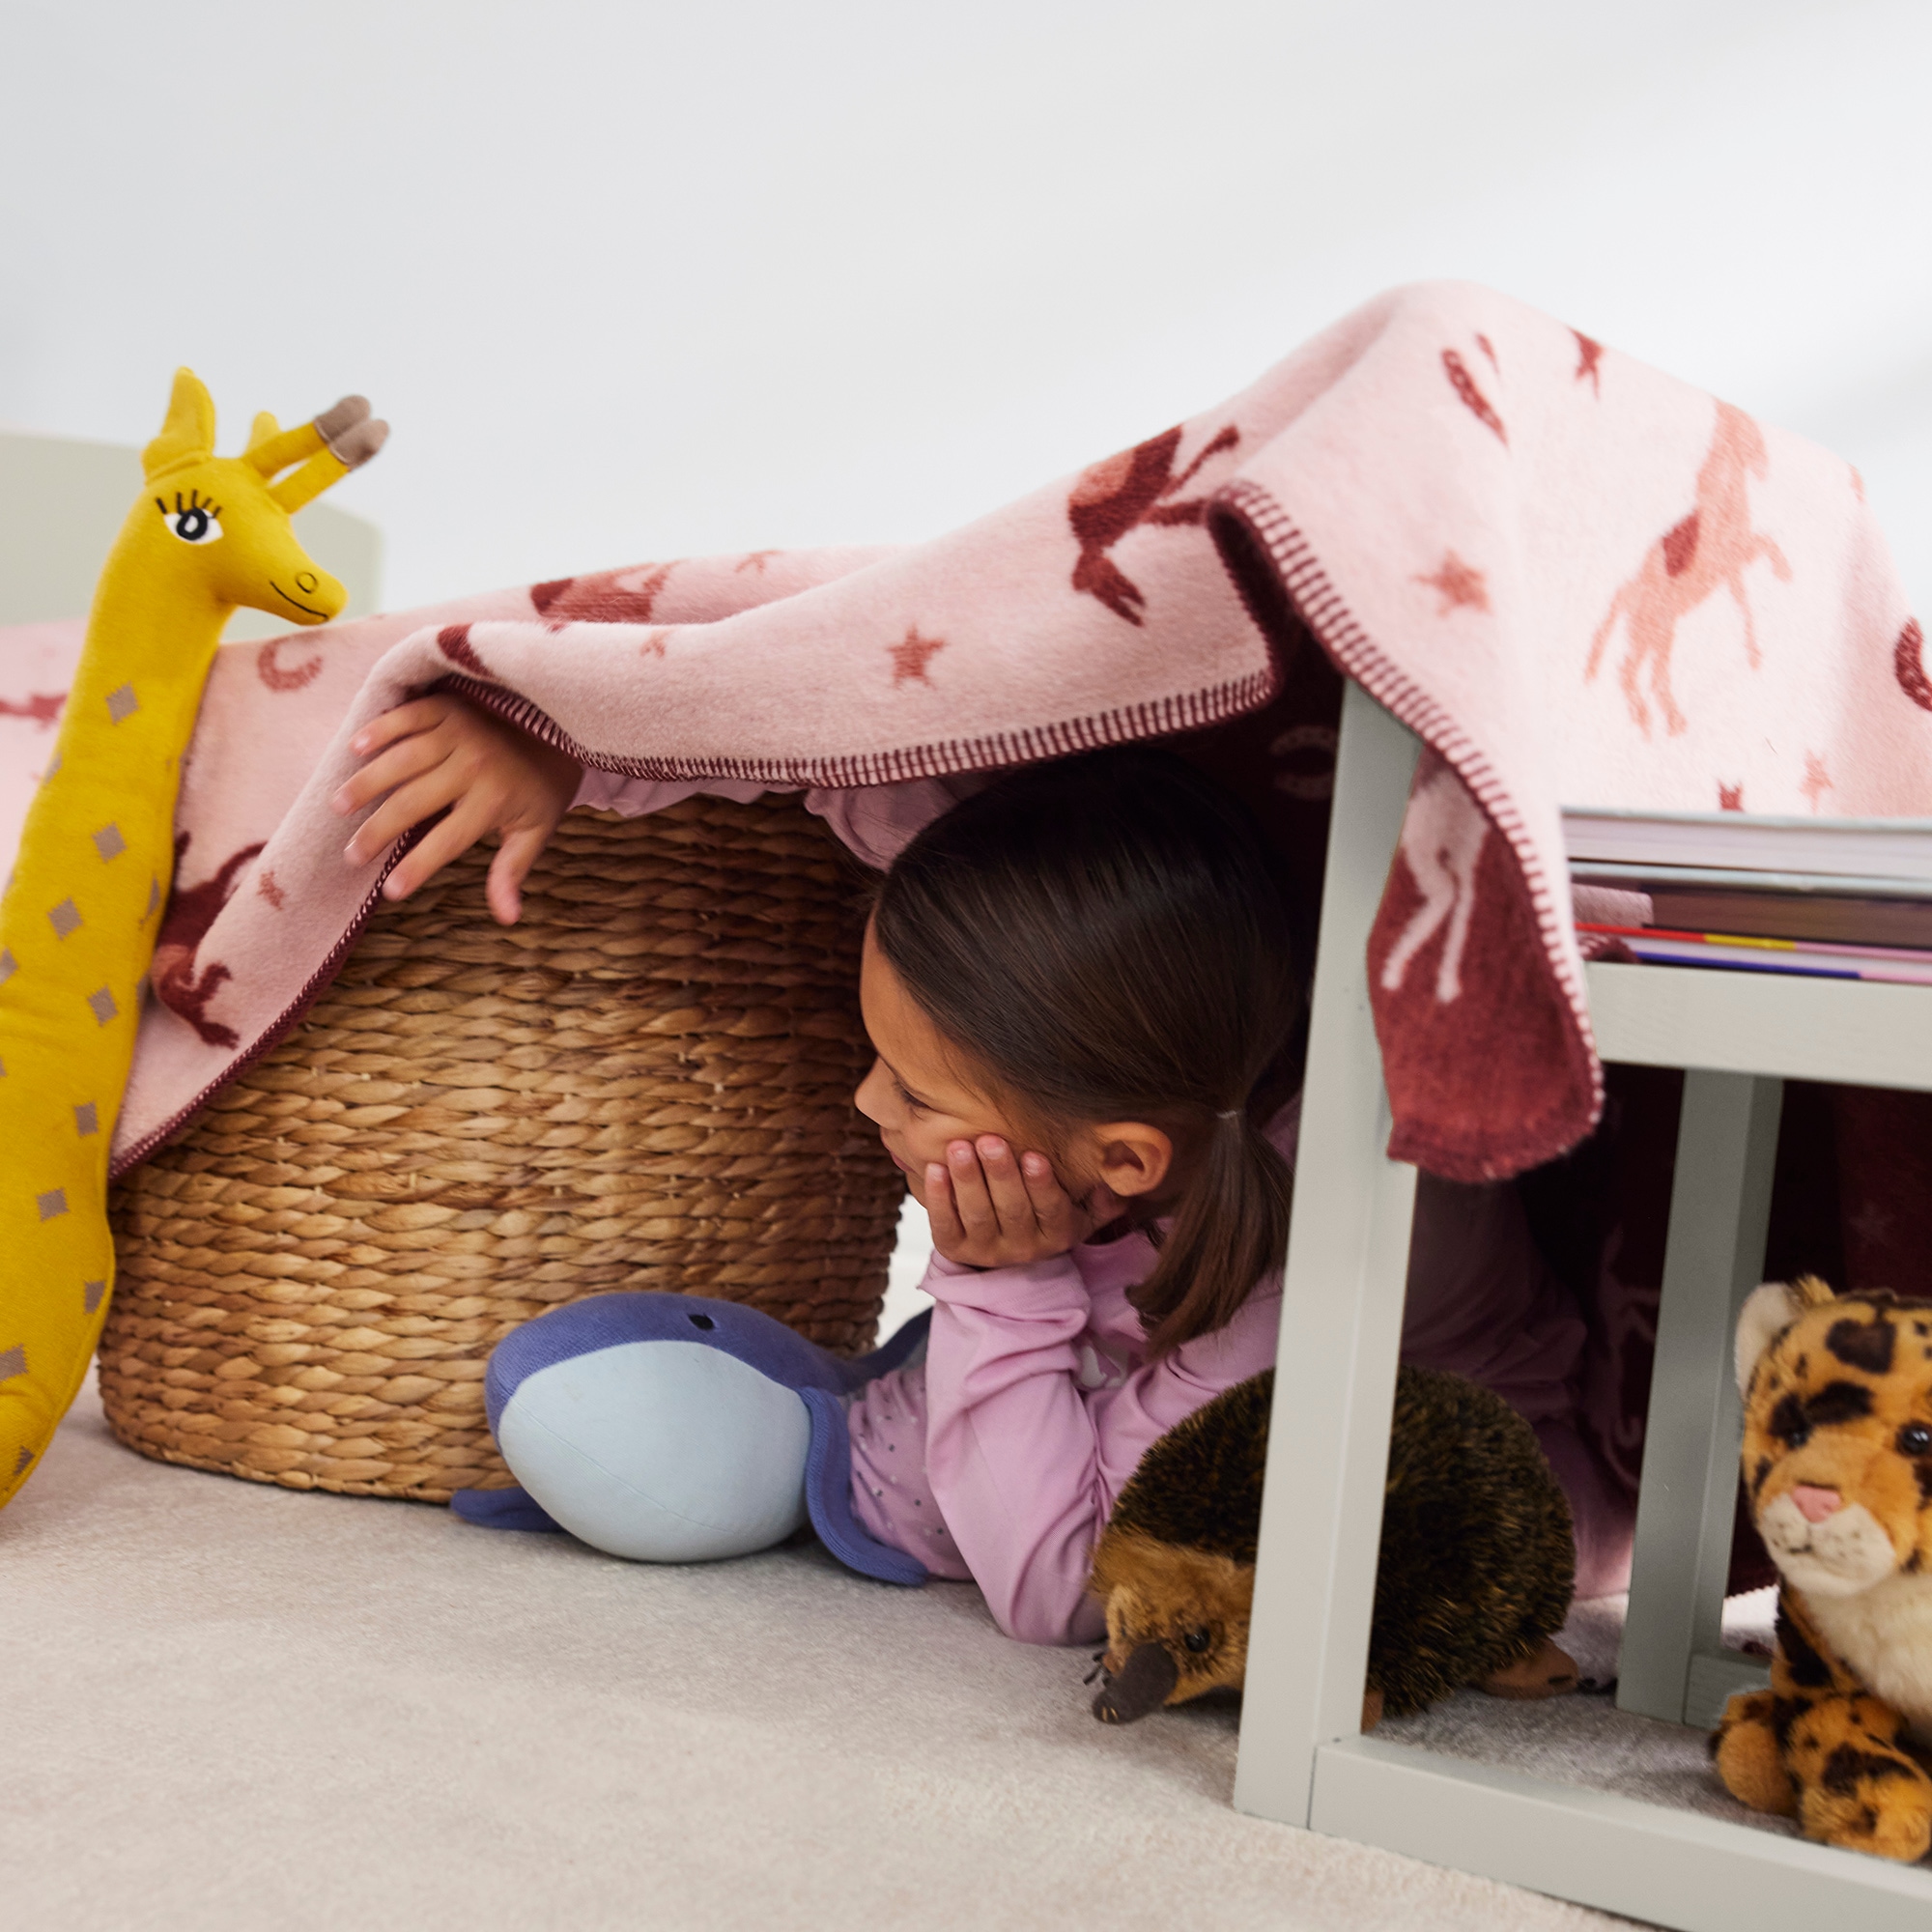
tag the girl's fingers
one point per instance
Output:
(1051, 1207)
(410, 804)
(941, 1209)
(431, 853)
(406, 759)
(969, 1191)
(1012, 1208)
(510, 867)
(420, 715)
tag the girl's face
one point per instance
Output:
(919, 1095)
(932, 1110)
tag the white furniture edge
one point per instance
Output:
(1303, 1760)
(1676, 1868)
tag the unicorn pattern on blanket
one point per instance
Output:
(1709, 549)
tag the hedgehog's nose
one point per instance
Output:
(1142, 1686)
(1816, 1504)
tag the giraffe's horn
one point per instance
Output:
(356, 444)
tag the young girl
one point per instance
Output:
(1080, 985)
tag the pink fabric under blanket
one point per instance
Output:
(1579, 580)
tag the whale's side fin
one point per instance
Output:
(828, 1496)
(504, 1509)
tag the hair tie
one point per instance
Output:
(1233, 1114)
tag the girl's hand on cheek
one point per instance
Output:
(989, 1209)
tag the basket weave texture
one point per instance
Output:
(646, 1083)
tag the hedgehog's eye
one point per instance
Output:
(1915, 1439)
(1198, 1641)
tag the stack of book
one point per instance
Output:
(1841, 899)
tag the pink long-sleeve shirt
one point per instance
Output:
(998, 1458)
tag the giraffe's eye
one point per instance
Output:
(1915, 1439)
(195, 521)
(195, 526)
(1198, 1641)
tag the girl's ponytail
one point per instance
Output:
(1229, 1229)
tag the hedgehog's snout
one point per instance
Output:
(1146, 1680)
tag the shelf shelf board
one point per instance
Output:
(1859, 1033)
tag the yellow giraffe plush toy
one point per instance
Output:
(79, 921)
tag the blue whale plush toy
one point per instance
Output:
(673, 1429)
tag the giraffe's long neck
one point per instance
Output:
(98, 846)
(78, 928)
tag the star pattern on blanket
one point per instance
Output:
(910, 656)
(1589, 352)
(1817, 780)
(1461, 586)
(1730, 798)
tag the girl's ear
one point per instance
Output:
(1133, 1159)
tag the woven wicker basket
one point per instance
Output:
(646, 1083)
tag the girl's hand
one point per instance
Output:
(440, 752)
(991, 1211)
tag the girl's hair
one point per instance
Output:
(1107, 938)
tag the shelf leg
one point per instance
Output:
(1719, 1203)
(1341, 1318)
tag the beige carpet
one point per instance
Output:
(228, 1706)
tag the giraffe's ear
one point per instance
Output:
(189, 433)
(266, 428)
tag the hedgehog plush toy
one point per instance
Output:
(1477, 1558)
(1837, 1462)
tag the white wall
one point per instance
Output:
(638, 279)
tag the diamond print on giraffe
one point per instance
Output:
(65, 918)
(85, 1120)
(9, 965)
(154, 896)
(92, 1293)
(21, 1460)
(51, 1203)
(12, 1363)
(103, 1006)
(122, 702)
(108, 842)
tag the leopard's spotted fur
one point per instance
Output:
(1837, 1462)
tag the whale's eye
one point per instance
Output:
(702, 1321)
(195, 521)
(1915, 1439)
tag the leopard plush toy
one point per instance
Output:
(1837, 1462)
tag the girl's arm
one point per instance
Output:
(1023, 1458)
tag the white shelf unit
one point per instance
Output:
(1302, 1758)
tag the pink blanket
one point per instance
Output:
(1578, 579)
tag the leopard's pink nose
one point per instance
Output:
(1816, 1504)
